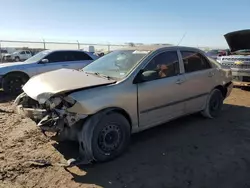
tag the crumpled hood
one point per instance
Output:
(61, 80)
(238, 40)
(11, 64)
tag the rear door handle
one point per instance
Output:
(65, 65)
(179, 81)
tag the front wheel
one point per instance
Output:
(105, 136)
(214, 104)
(17, 59)
(13, 82)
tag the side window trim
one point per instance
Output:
(181, 64)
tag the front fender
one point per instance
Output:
(91, 101)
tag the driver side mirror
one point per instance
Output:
(144, 76)
(44, 61)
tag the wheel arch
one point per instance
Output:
(222, 89)
(117, 110)
(17, 72)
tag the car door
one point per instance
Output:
(161, 97)
(28, 54)
(199, 75)
(22, 55)
(78, 59)
(55, 60)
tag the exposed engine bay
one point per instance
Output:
(52, 115)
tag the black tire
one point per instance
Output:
(12, 83)
(105, 136)
(214, 104)
(17, 59)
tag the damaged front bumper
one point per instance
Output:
(50, 120)
(23, 106)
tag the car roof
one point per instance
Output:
(158, 47)
(63, 50)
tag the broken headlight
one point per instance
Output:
(60, 102)
(68, 102)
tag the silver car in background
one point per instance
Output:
(124, 92)
(14, 75)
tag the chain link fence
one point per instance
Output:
(43, 44)
(10, 46)
(4, 44)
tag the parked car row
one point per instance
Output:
(17, 56)
(112, 97)
(217, 53)
(14, 75)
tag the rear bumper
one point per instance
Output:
(229, 87)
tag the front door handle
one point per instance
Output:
(179, 81)
(65, 65)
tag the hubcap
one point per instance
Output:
(109, 138)
(15, 84)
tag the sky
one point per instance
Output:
(203, 23)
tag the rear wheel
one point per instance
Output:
(17, 59)
(105, 136)
(214, 104)
(13, 82)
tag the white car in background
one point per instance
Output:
(6, 51)
(14, 75)
(20, 55)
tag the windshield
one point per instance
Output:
(117, 64)
(37, 57)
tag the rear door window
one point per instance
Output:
(194, 61)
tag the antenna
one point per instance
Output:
(182, 38)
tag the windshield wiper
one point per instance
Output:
(98, 74)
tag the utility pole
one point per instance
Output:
(44, 45)
(78, 45)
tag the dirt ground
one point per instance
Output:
(189, 152)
